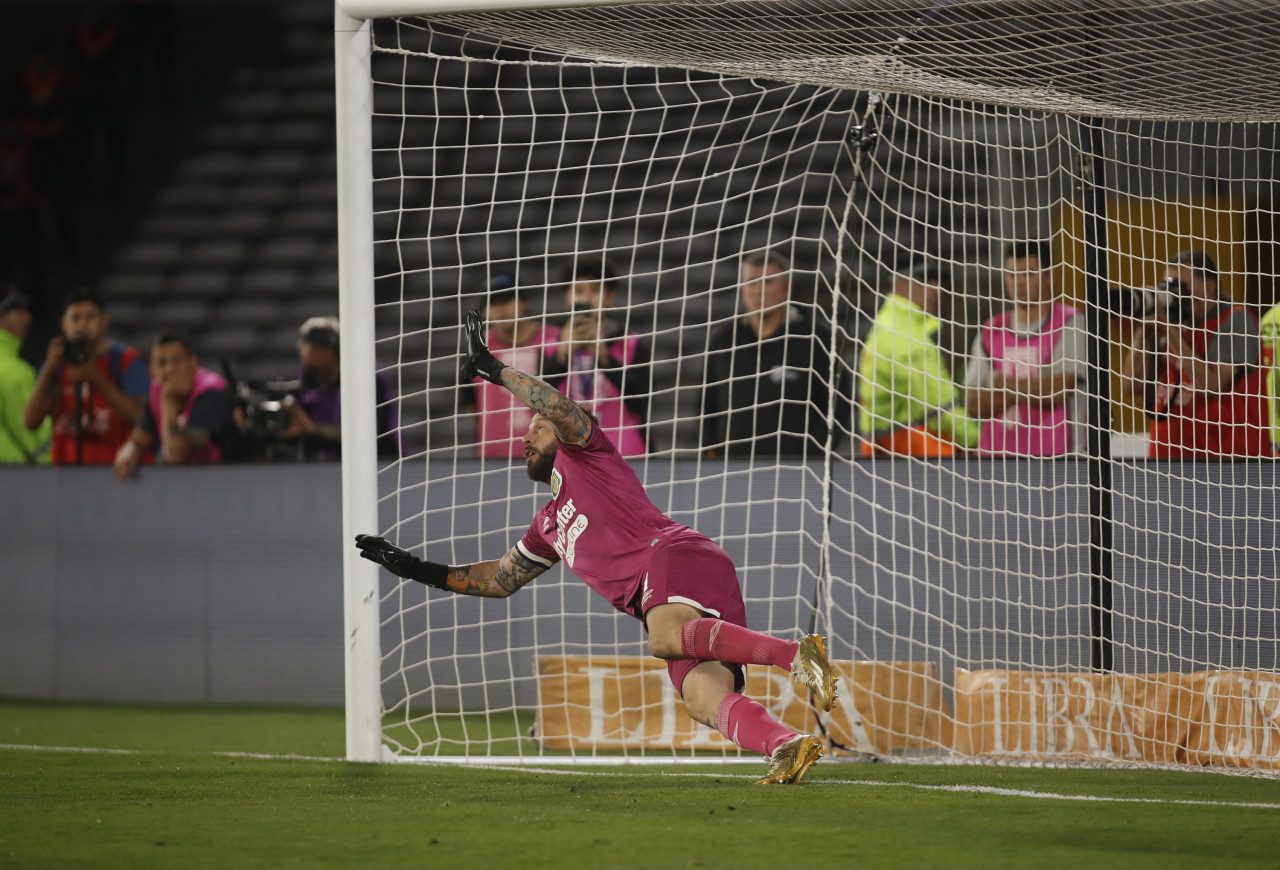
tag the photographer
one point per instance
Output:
(92, 387)
(604, 367)
(1198, 362)
(315, 410)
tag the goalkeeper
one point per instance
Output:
(681, 585)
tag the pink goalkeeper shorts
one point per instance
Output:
(698, 573)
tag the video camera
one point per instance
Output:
(263, 416)
(263, 405)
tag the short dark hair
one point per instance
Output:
(82, 294)
(1027, 248)
(502, 286)
(170, 335)
(591, 268)
(763, 257)
(12, 298)
(321, 336)
(923, 267)
(1197, 261)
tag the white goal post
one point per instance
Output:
(1095, 607)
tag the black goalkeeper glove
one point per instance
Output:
(478, 359)
(401, 562)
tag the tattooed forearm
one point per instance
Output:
(496, 579)
(515, 570)
(569, 421)
(464, 580)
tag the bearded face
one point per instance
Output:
(540, 448)
(538, 463)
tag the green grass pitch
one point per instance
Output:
(226, 788)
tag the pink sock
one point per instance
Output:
(750, 726)
(720, 641)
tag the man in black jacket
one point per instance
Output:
(766, 388)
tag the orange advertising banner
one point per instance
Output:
(627, 702)
(1229, 718)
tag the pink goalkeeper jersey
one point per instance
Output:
(599, 521)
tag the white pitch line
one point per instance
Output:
(88, 749)
(976, 789)
(560, 771)
(92, 749)
(1048, 795)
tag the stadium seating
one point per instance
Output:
(241, 243)
(240, 246)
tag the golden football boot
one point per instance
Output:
(811, 668)
(792, 760)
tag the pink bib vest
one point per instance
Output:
(203, 382)
(503, 419)
(590, 386)
(1024, 429)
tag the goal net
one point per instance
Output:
(1070, 601)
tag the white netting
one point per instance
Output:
(703, 131)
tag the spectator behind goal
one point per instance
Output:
(315, 409)
(521, 341)
(187, 417)
(604, 367)
(93, 387)
(765, 392)
(1270, 327)
(18, 444)
(909, 403)
(1027, 365)
(1201, 366)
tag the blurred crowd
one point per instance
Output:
(1202, 367)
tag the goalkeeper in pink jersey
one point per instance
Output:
(681, 585)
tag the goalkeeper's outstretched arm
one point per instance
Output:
(571, 423)
(498, 578)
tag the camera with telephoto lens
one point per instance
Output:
(1144, 303)
(77, 350)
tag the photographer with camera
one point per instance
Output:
(93, 387)
(604, 367)
(314, 409)
(1199, 363)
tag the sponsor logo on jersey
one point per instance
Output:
(569, 527)
(556, 480)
